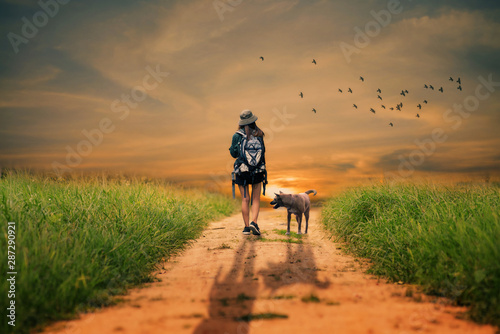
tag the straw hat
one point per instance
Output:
(247, 117)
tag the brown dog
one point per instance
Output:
(297, 204)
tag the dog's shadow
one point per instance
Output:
(298, 267)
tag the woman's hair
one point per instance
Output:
(252, 129)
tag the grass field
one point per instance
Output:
(447, 239)
(80, 242)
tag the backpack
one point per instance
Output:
(251, 157)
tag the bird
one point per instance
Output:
(451, 79)
(314, 110)
(383, 106)
(418, 116)
(460, 88)
(355, 106)
(419, 106)
(372, 110)
(340, 90)
(425, 86)
(262, 58)
(398, 107)
(379, 91)
(441, 89)
(391, 124)
(430, 86)
(406, 91)
(425, 101)
(391, 108)
(458, 80)
(350, 91)
(401, 104)
(362, 79)
(402, 93)
(314, 61)
(301, 95)
(379, 97)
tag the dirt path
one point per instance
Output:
(225, 275)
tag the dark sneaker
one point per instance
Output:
(246, 230)
(255, 228)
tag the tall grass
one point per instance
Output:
(80, 242)
(446, 239)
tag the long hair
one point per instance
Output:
(252, 129)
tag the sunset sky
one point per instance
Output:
(158, 86)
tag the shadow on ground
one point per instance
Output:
(232, 298)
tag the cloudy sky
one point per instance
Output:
(156, 88)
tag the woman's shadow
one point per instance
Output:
(232, 298)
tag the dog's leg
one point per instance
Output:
(299, 222)
(306, 214)
(288, 225)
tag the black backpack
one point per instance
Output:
(251, 158)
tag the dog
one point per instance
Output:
(297, 204)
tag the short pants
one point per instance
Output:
(247, 176)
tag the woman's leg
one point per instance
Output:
(255, 201)
(245, 202)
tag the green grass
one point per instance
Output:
(288, 241)
(243, 297)
(447, 239)
(80, 242)
(291, 235)
(282, 297)
(261, 316)
(312, 298)
(224, 301)
(293, 238)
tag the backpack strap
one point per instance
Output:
(233, 179)
(264, 182)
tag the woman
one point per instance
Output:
(249, 168)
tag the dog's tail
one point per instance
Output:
(311, 191)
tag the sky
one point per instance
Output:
(156, 88)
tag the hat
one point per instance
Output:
(247, 117)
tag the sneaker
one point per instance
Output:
(255, 228)
(246, 230)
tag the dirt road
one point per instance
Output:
(226, 279)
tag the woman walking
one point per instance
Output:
(249, 168)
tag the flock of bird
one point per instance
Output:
(403, 93)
